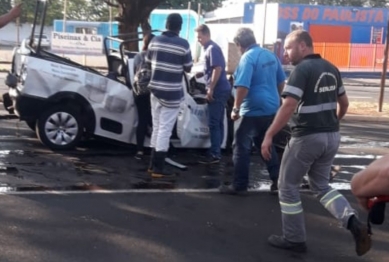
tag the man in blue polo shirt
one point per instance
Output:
(259, 80)
(218, 92)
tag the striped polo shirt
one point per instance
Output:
(316, 84)
(169, 56)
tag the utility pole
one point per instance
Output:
(188, 20)
(65, 5)
(384, 70)
(17, 26)
(264, 23)
(198, 47)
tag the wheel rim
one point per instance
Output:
(61, 128)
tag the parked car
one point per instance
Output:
(45, 41)
(62, 100)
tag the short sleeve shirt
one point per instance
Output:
(260, 71)
(214, 58)
(316, 84)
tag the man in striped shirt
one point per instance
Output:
(315, 99)
(169, 57)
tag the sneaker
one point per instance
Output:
(230, 190)
(209, 160)
(274, 188)
(282, 243)
(361, 235)
(139, 155)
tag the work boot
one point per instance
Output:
(158, 170)
(282, 243)
(152, 160)
(231, 190)
(361, 235)
(274, 188)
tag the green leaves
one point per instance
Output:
(206, 5)
(367, 3)
(85, 10)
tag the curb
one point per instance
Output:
(367, 118)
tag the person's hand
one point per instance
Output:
(363, 202)
(16, 11)
(209, 95)
(266, 147)
(234, 116)
(199, 74)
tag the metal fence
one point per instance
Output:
(366, 57)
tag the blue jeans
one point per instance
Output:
(216, 113)
(249, 130)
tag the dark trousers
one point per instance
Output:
(142, 103)
(246, 129)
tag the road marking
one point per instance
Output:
(263, 188)
(358, 156)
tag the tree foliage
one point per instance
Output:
(366, 3)
(5, 6)
(206, 5)
(54, 11)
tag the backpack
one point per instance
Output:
(142, 78)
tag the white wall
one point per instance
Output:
(9, 35)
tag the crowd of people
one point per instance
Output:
(312, 100)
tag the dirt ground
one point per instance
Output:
(367, 108)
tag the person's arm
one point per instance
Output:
(11, 15)
(342, 97)
(216, 62)
(281, 87)
(280, 77)
(216, 72)
(242, 81)
(292, 93)
(282, 117)
(241, 93)
(343, 106)
(188, 62)
(372, 181)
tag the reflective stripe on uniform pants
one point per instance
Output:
(330, 197)
(291, 209)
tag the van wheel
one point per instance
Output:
(60, 127)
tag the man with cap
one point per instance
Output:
(169, 57)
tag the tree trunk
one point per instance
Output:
(132, 14)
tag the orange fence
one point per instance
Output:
(352, 56)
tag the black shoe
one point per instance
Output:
(158, 170)
(210, 160)
(274, 188)
(230, 190)
(281, 242)
(361, 235)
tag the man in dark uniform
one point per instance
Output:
(316, 100)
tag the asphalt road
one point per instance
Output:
(96, 203)
(158, 227)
